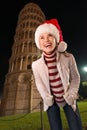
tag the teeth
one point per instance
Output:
(48, 45)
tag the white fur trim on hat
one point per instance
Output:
(62, 46)
(43, 28)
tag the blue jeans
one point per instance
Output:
(73, 118)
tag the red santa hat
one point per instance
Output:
(51, 26)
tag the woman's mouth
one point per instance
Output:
(48, 45)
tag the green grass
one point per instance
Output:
(32, 121)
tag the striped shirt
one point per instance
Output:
(54, 79)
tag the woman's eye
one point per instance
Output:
(41, 37)
(50, 35)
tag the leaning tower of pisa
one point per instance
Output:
(20, 94)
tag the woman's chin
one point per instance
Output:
(49, 50)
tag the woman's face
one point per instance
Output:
(47, 42)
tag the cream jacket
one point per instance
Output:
(69, 74)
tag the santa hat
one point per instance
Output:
(51, 26)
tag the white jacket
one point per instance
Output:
(69, 74)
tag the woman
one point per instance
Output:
(56, 76)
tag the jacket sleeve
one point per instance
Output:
(74, 78)
(38, 81)
(41, 86)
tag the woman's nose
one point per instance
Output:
(46, 38)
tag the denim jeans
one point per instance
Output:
(73, 118)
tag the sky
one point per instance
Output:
(72, 17)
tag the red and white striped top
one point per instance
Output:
(54, 78)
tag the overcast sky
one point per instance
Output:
(72, 17)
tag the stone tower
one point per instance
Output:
(20, 94)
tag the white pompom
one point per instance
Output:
(62, 46)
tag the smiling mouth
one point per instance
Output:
(48, 45)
